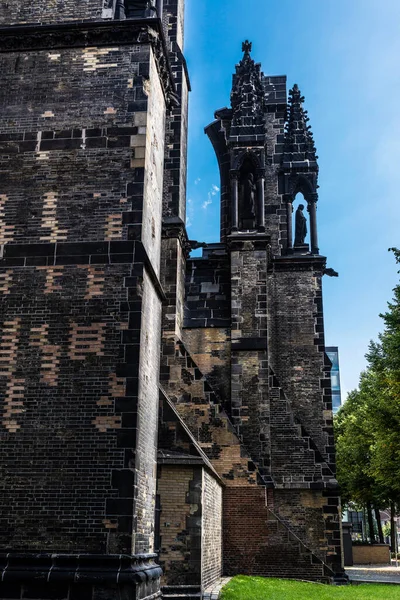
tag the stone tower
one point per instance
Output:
(95, 105)
(280, 397)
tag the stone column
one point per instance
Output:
(159, 7)
(120, 10)
(312, 209)
(235, 200)
(289, 216)
(260, 202)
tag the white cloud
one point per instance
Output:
(207, 202)
(197, 181)
(189, 213)
(213, 192)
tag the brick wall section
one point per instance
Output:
(180, 491)
(21, 12)
(147, 418)
(173, 264)
(174, 201)
(198, 406)
(255, 543)
(81, 202)
(211, 351)
(55, 382)
(208, 288)
(296, 347)
(250, 408)
(69, 130)
(211, 530)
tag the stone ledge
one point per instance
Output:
(213, 591)
(79, 568)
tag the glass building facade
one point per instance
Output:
(333, 355)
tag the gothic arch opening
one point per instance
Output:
(247, 195)
(301, 225)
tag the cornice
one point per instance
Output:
(28, 38)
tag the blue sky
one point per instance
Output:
(345, 57)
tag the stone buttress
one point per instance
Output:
(84, 131)
(258, 397)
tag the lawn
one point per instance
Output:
(259, 588)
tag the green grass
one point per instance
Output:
(260, 588)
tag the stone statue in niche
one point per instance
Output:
(300, 226)
(248, 202)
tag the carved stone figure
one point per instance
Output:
(300, 226)
(248, 205)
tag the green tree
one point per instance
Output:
(368, 425)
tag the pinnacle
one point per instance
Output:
(247, 47)
(299, 141)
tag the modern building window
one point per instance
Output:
(333, 355)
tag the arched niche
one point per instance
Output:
(248, 180)
(303, 194)
(300, 225)
(248, 211)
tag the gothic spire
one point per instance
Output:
(299, 141)
(247, 97)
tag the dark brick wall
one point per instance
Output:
(59, 337)
(207, 290)
(174, 200)
(249, 359)
(297, 349)
(77, 126)
(20, 12)
(82, 140)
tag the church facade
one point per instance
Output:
(164, 419)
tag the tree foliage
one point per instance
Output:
(368, 425)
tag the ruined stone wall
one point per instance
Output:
(211, 530)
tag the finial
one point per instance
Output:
(247, 46)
